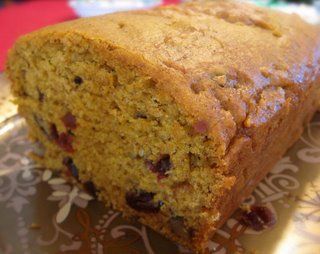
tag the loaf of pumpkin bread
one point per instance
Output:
(173, 114)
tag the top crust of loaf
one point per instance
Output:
(231, 64)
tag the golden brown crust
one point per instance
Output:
(202, 42)
(208, 44)
(251, 74)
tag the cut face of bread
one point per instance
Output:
(114, 127)
(173, 115)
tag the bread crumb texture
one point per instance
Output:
(167, 111)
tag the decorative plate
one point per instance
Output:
(42, 213)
